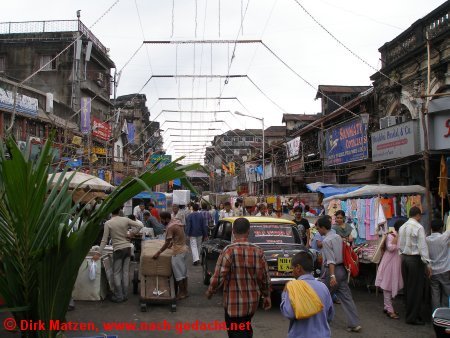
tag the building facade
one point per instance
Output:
(69, 93)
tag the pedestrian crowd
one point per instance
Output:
(243, 275)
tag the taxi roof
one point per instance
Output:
(260, 219)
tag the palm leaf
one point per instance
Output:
(40, 255)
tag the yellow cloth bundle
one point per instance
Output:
(304, 300)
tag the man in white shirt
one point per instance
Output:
(415, 262)
(138, 211)
(438, 246)
(178, 214)
(227, 212)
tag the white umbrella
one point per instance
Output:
(83, 181)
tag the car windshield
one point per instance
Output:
(271, 233)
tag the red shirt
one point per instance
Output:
(155, 213)
(242, 270)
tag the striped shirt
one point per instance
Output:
(242, 270)
(438, 246)
(412, 240)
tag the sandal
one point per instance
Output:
(393, 315)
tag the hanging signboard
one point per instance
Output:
(99, 151)
(24, 104)
(395, 142)
(100, 129)
(347, 142)
(85, 115)
(293, 148)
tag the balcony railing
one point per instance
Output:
(434, 24)
(52, 26)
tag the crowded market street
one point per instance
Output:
(266, 324)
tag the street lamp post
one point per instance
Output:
(263, 146)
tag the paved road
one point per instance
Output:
(267, 324)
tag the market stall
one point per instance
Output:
(372, 210)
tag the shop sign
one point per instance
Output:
(99, 151)
(162, 160)
(397, 141)
(293, 148)
(439, 123)
(77, 140)
(347, 142)
(100, 129)
(24, 104)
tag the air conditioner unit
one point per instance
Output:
(389, 121)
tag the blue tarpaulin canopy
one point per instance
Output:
(332, 189)
(152, 195)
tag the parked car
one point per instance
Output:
(278, 237)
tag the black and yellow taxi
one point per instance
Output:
(278, 238)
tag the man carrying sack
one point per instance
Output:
(306, 302)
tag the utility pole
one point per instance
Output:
(273, 163)
(426, 150)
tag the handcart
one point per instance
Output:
(157, 285)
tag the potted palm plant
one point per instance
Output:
(39, 254)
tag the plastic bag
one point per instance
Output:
(304, 300)
(92, 270)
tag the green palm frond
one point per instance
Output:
(39, 253)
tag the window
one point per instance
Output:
(45, 60)
(235, 140)
(249, 138)
(2, 63)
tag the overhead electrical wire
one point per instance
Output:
(343, 45)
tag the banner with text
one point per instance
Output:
(85, 117)
(100, 129)
(346, 143)
(24, 104)
(398, 141)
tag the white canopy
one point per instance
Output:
(379, 189)
(87, 181)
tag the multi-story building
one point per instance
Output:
(140, 136)
(234, 146)
(62, 74)
(400, 88)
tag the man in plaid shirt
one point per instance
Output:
(243, 272)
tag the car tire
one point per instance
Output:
(206, 276)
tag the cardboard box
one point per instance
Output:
(249, 201)
(181, 197)
(155, 267)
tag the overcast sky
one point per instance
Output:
(270, 88)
